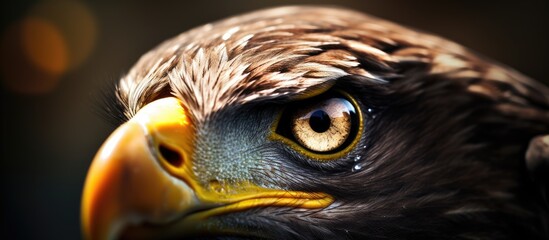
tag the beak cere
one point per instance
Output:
(126, 183)
(141, 184)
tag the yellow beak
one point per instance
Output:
(143, 175)
(126, 183)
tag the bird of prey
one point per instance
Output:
(307, 122)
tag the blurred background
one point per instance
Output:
(57, 56)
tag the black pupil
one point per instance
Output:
(319, 121)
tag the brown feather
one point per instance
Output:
(286, 50)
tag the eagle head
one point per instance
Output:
(313, 122)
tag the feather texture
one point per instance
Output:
(284, 51)
(443, 158)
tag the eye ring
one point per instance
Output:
(324, 127)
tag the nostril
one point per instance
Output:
(172, 156)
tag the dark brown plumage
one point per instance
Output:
(441, 154)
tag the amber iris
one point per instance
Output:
(325, 125)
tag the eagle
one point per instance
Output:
(308, 122)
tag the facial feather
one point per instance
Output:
(441, 157)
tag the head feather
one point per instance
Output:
(285, 51)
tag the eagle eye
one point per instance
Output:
(323, 125)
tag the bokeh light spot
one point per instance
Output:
(76, 23)
(19, 73)
(44, 45)
(53, 38)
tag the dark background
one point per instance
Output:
(50, 134)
